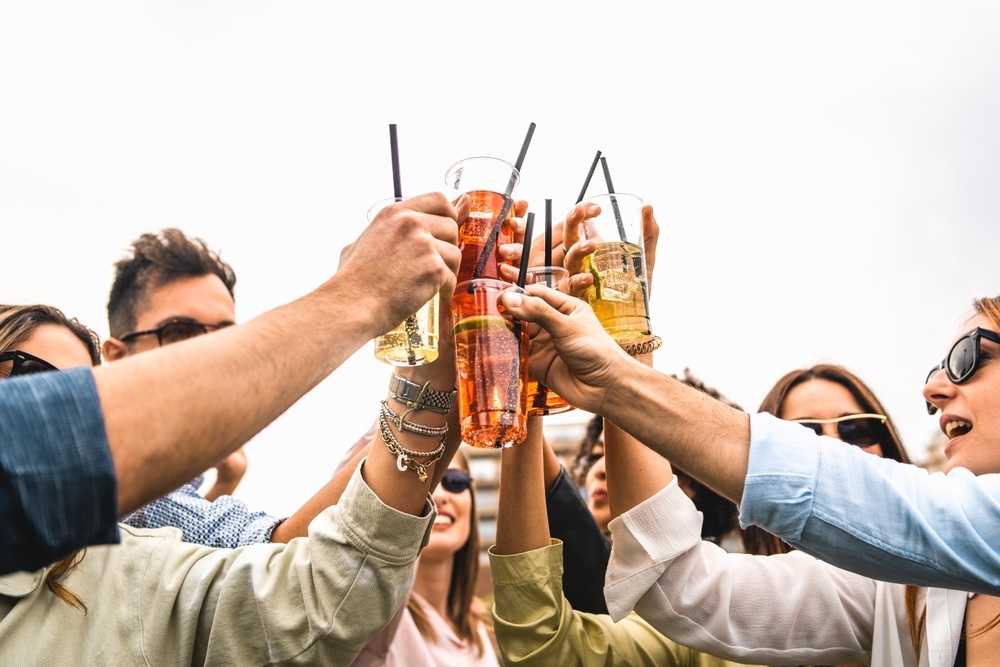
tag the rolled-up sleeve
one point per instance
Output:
(872, 516)
(57, 480)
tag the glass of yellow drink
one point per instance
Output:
(619, 295)
(415, 341)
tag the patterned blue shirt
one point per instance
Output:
(57, 483)
(225, 523)
(876, 517)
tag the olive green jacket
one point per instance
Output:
(155, 600)
(535, 624)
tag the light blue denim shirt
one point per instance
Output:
(57, 483)
(873, 516)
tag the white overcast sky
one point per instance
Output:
(825, 174)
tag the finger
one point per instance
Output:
(433, 203)
(509, 273)
(574, 261)
(521, 208)
(580, 212)
(440, 227)
(539, 304)
(577, 285)
(650, 238)
(450, 254)
(512, 252)
(463, 206)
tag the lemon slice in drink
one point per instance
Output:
(479, 322)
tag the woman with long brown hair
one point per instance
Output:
(36, 339)
(817, 613)
(443, 623)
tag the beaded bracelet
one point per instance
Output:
(645, 347)
(404, 456)
(402, 424)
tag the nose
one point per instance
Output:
(938, 391)
(831, 431)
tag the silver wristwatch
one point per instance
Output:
(421, 397)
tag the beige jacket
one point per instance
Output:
(155, 600)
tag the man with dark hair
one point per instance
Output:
(171, 288)
(78, 444)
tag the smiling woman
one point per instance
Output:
(442, 623)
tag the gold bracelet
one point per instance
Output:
(403, 456)
(645, 347)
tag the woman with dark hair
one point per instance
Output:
(831, 401)
(442, 622)
(36, 339)
(826, 615)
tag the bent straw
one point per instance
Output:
(614, 200)
(507, 202)
(529, 229)
(590, 175)
(548, 241)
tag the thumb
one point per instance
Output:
(542, 305)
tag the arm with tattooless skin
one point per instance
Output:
(787, 480)
(534, 623)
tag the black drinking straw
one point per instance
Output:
(507, 202)
(410, 323)
(590, 175)
(529, 229)
(548, 241)
(397, 187)
(614, 200)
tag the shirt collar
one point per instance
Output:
(21, 584)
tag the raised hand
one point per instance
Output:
(407, 254)
(570, 352)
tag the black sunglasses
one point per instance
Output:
(963, 358)
(862, 430)
(176, 330)
(15, 362)
(456, 481)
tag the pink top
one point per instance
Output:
(400, 644)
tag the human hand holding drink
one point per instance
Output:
(415, 341)
(411, 244)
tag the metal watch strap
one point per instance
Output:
(416, 397)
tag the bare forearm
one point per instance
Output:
(173, 412)
(635, 472)
(522, 522)
(707, 439)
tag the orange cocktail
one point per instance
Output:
(491, 354)
(489, 182)
(542, 400)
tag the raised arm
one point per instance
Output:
(191, 405)
(788, 609)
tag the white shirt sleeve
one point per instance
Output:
(788, 609)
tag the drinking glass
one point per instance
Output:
(491, 354)
(542, 400)
(619, 295)
(415, 341)
(490, 184)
